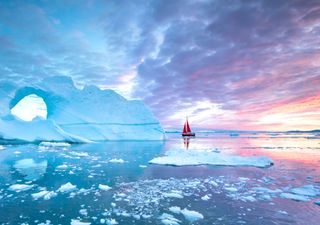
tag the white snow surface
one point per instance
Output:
(195, 157)
(76, 115)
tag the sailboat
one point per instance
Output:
(186, 130)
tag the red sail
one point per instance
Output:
(186, 127)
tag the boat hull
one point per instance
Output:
(188, 134)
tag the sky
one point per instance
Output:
(226, 64)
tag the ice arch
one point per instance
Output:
(48, 98)
(30, 107)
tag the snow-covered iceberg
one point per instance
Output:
(76, 115)
(196, 157)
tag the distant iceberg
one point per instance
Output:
(76, 115)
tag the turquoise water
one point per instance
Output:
(142, 193)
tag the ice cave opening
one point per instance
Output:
(30, 107)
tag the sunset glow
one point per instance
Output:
(248, 65)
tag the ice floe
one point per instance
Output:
(111, 222)
(46, 195)
(62, 167)
(168, 219)
(83, 212)
(20, 187)
(68, 187)
(78, 222)
(104, 187)
(54, 144)
(307, 190)
(295, 197)
(117, 161)
(205, 198)
(193, 157)
(190, 215)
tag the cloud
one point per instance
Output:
(229, 61)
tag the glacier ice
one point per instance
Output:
(76, 115)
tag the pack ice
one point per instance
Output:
(76, 115)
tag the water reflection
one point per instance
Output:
(186, 142)
(30, 169)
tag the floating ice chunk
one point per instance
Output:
(188, 214)
(266, 190)
(83, 212)
(62, 167)
(54, 144)
(193, 157)
(248, 198)
(116, 160)
(111, 222)
(20, 187)
(231, 189)
(78, 222)
(168, 219)
(282, 212)
(173, 195)
(175, 209)
(205, 198)
(68, 187)
(80, 154)
(2, 147)
(40, 194)
(244, 179)
(51, 194)
(191, 215)
(142, 166)
(295, 197)
(308, 190)
(16, 152)
(104, 187)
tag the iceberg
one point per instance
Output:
(195, 157)
(20, 187)
(76, 115)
